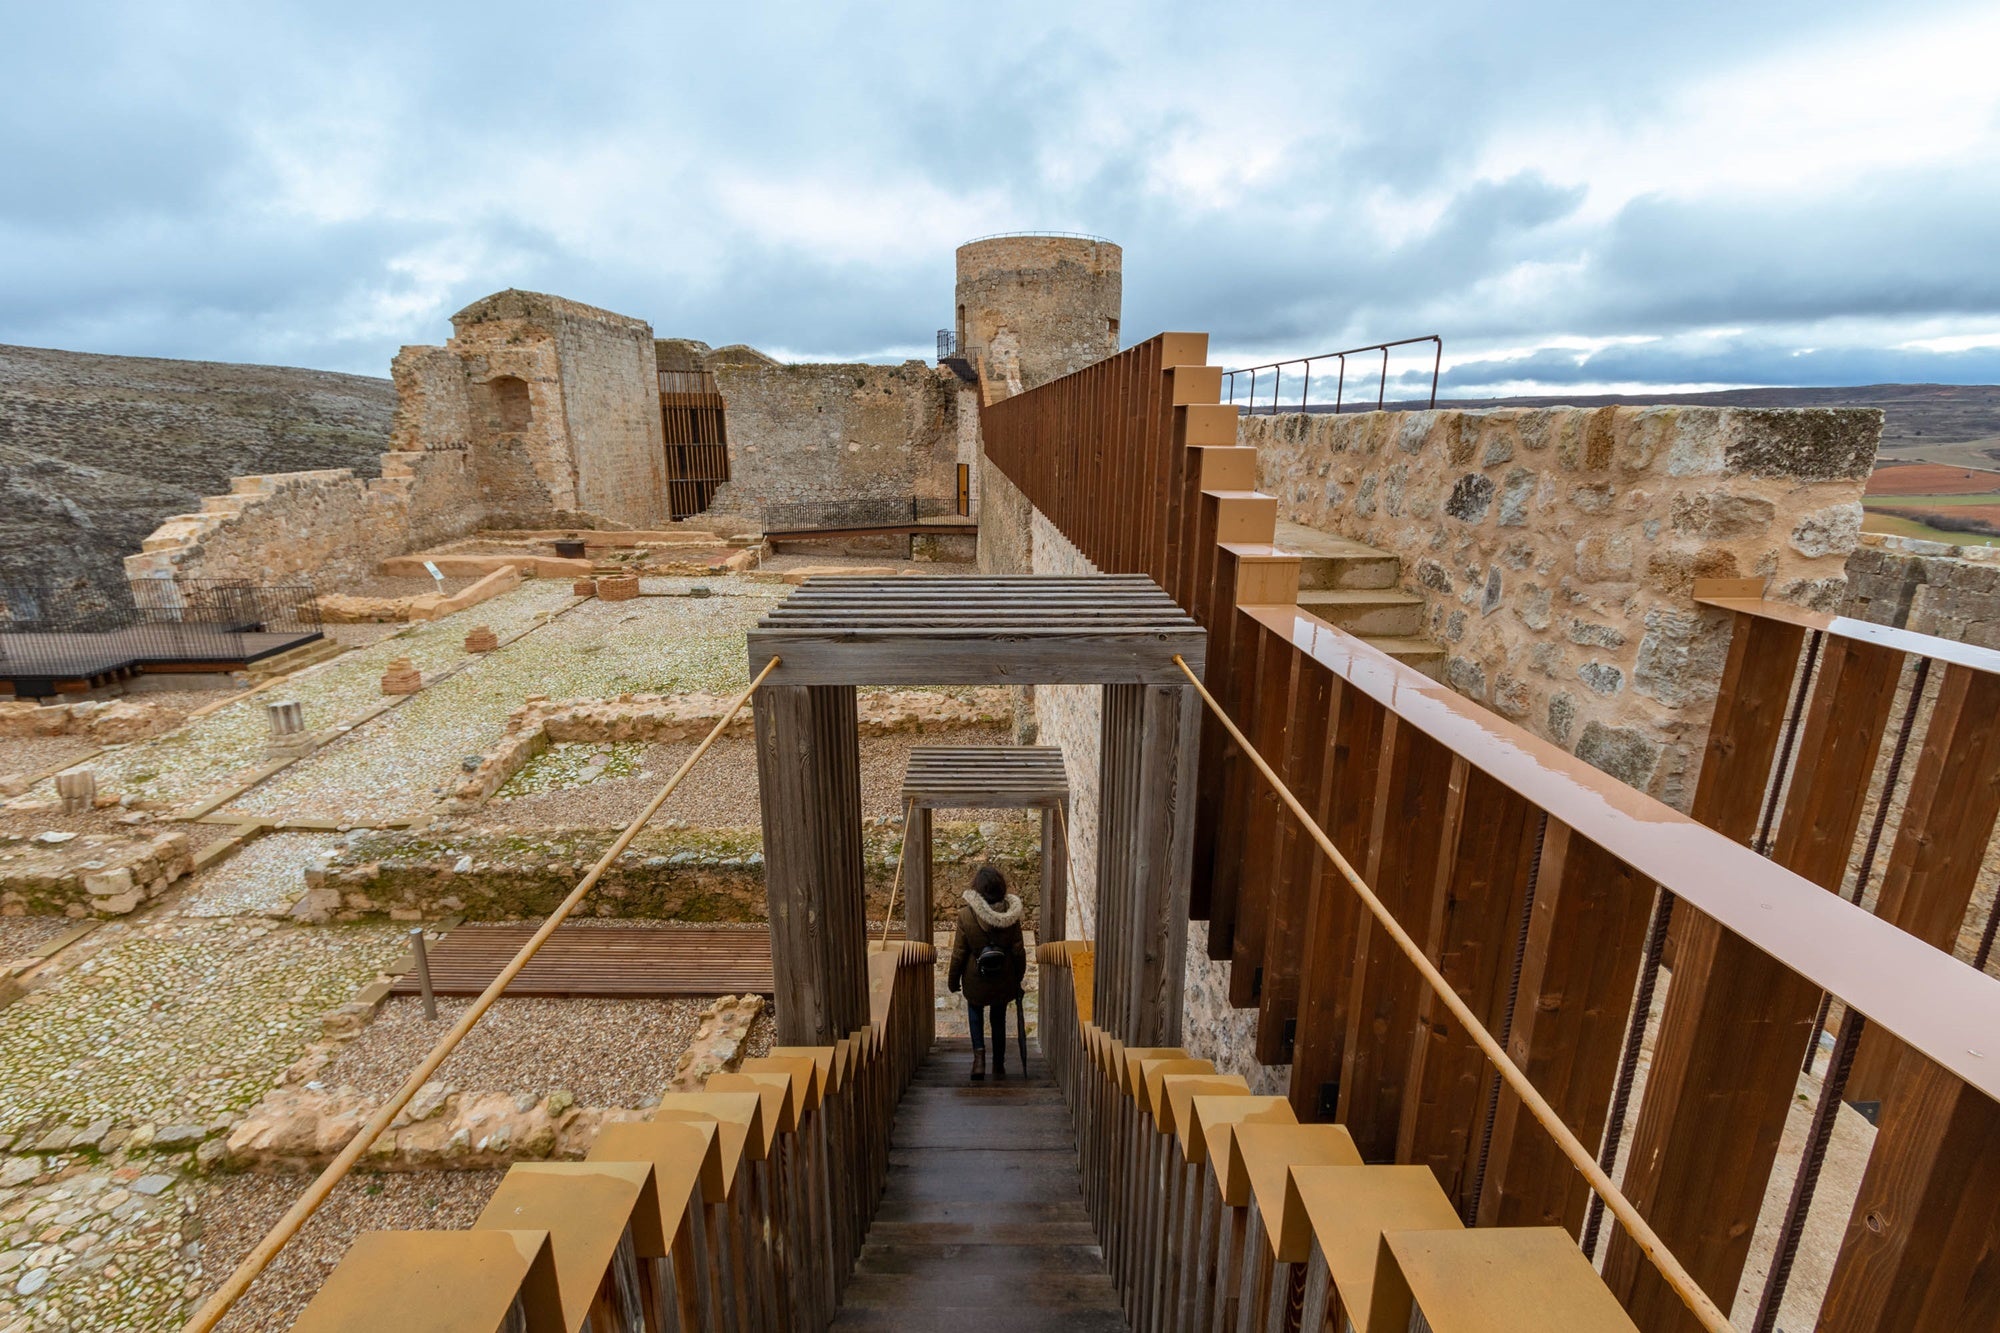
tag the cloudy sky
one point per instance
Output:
(1574, 195)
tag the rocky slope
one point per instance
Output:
(96, 450)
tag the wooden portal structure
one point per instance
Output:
(1117, 631)
(984, 777)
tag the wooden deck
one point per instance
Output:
(631, 961)
(982, 1226)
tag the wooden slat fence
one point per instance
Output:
(1546, 890)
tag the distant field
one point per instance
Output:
(1931, 480)
(1895, 525)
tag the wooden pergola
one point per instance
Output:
(834, 634)
(983, 777)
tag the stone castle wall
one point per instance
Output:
(1930, 587)
(1558, 548)
(564, 408)
(537, 410)
(1034, 308)
(856, 438)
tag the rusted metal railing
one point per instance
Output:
(1248, 377)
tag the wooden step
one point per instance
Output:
(1367, 612)
(1335, 562)
(981, 1227)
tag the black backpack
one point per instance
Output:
(991, 964)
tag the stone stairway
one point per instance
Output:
(982, 1225)
(1357, 588)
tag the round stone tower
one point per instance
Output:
(1032, 308)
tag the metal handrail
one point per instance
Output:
(1340, 383)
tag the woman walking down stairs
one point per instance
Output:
(982, 1226)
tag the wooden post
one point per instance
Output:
(1699, 1171)
(917, 875)
(809, 778)
(1577, 976)
(1055, 876)
(1414, 790)
(1919, 1249)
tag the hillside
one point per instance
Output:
(96, 450)
(1955, 424)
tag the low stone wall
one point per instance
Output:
(675, 874)
(344, 609)
(301, 1124)
(110, 723)
(1558, 548)
(675, 718)
(92, 874)
(1930, 587)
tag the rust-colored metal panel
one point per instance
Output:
(1307, 769)
(1262, 817)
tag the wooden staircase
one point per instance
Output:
(1357, 587)
(982, 1226)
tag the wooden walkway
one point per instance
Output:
(634, 961)
(982, 1226)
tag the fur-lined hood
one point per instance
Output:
(1008, 913)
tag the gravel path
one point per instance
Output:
(721, 793)
(29, 755)
(178, 1021)
(264, 877)
(403, 762)
(234, 1212)
(208, 755)
(604, 1052)
(20, 936)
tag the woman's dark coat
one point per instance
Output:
(981, 923)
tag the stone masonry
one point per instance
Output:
(1558, 548)
(837, 437)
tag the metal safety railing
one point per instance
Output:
(1275, 372)
(947, 344)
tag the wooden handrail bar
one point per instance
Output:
(1690, 1292)
(1746, 597)
(259, 1258)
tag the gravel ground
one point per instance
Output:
(208, 755)
(262, 878)
(20, 936)
(26, 824)
(605, 1052)
(178, 1021)
(360, 636)
(28, 755)
(401, 763)
(234, 1212)
(720, 793)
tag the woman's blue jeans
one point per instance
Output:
(998, 1015)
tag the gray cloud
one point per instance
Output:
(319, 185)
